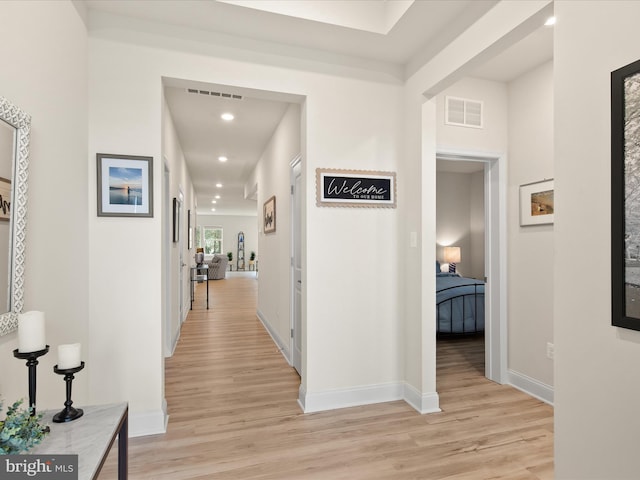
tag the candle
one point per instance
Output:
(31, 332)
(68, 356)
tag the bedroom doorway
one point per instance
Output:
(483, 238)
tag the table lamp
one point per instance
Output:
(452, 256)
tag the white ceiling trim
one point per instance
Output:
(368, 15)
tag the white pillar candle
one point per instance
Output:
(68, 356)
(31, 332)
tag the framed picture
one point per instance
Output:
(125, 185)
(5, 200)
(625, 196)
(176, 220)
(355, 188)
(189, 231)
(269, 215)
(536, 203)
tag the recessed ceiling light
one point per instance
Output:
(213, 209)
(222, 158)
(217, 197)
(219, 185)
(550, 21)
(227, 116)
(214, 201)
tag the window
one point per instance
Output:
(209, 238)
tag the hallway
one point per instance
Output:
(233, 410)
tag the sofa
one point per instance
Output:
(217, 267)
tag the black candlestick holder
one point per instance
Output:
(68, 413)
(32, 361)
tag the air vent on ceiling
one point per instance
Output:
(215, 94)
(463, 112)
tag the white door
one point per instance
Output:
(296, 264)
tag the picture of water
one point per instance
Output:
(125, 196)
(125, 186)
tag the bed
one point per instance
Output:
(459, 304)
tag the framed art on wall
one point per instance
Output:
(176, 219)
(536, 203)
(269, 215)
(125, 185)
(625, 196)
(189, 231)
(355, 188)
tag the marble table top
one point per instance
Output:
(90, 436)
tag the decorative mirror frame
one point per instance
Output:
(19, 175)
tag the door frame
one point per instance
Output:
(495, 210)
(296, 224)
(169, 342)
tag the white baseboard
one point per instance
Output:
(282, 346)
(148, 423)
(350, 397)
(531, 386)
(353, 397)
(422, 402)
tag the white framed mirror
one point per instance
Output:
(15, 128)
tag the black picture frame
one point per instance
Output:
(176, 220)
(625, 196)
(124, 185)
(189, 231)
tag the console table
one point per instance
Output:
(196, 276)
(90, 437)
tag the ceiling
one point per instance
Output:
(390, 37)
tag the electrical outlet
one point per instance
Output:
(550, 350)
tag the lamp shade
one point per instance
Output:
(452, 254)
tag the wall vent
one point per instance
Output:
(215, 94)
(463, 112)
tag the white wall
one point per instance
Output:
(531, 255)
(493, 136)
(43, 46)
(179, 182)
(350, 123)
(596, 365)
(459, 205)
(231, 226)
(273, 178)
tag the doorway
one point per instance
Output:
(494, 182)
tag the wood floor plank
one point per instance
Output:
(232, 401)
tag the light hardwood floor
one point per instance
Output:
(233, 415)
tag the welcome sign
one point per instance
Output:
(355, 188)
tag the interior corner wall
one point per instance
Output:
(273, 176)
(43, 46)
(531, 256)
(231, 226)
(596, 365)
(477, 225)
(453, 222)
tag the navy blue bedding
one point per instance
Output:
(459, 304)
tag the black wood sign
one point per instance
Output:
(355, 188)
